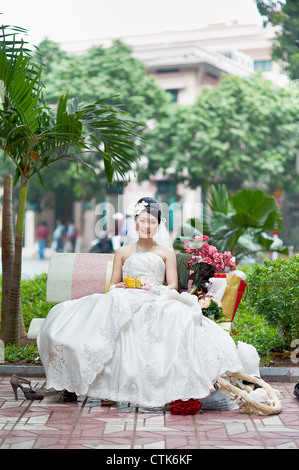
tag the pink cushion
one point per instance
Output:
(74, 275)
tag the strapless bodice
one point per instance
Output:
(149, 266)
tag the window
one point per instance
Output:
(116, 188)
(212, 75)
(167, 70)
(174, 94)
(166, 194)
(263, 65)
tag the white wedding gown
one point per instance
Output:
(131, 345)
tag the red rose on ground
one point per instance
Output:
(180, 407)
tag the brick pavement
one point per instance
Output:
(53, 424)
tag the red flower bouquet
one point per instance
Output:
(205, 261)
(184, 408)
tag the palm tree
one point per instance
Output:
(7, 245)
(34, 137)
(243, 222)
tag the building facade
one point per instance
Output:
(183, 63)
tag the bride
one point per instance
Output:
(148, 346)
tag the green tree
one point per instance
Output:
(285, 15)
(241, 133)
(34, 138)
(100, 72)
(48, 53)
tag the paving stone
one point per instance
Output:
(85, 424)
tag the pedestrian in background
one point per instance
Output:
(71, 237)
(58, 236)
(125, 225)
(42, 238)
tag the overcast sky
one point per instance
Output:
(68, 20)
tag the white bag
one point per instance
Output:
(68, 247)
(218, 401)
(216, 287)
(249, 358)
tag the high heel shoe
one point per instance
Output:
(69, 396)
(29, 393)
(108, 402)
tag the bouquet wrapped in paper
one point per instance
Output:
(205, 260)
(211, 308)
(215, 274)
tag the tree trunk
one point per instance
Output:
(7, 247)
(14, 327)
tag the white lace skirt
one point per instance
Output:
(134, 346)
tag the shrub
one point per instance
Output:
(33, 293)
(254, 329)
(274, 293)
(34, 305)
(22, 354)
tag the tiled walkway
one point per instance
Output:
(52, 424)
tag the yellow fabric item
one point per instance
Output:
(230, 295)
(108, 275)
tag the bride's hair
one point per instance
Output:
(150, 205)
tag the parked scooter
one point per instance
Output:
(106, 244)
(101, 245)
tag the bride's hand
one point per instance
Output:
(121, 285)
(145, 286)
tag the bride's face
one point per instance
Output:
(146, 225)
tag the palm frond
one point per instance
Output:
(34, 136)
(239, 222)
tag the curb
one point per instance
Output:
(269, 374)
(24, 371)
(280, 374)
